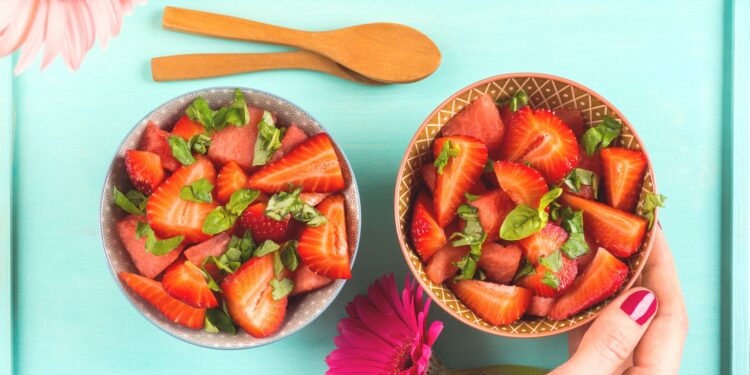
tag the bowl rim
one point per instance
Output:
(123, 292)
(402, 237)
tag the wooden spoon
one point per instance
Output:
(204, 65)
(386, 52)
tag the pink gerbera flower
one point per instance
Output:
(385, 333)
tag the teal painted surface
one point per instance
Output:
(661, 65)
(6, 201)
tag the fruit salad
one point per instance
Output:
(230, 216)
(530, 212)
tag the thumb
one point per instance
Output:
(612, 337)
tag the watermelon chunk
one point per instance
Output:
(148, 264)
(481, 120)
(540, 306)
(306, 280)
(214, 246)
(500, 263)
(441, 267)
(155, 140)
(233, 143)
(292, 138)
(493, 207)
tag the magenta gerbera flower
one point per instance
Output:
(385, 333)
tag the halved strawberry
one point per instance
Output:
(155, 140)
(495, 303)
(248, 295)
(539, 137)
(615, 230)
(441, 267)
(313, 199)
(144, 169)
(500, 263)
(185, 281)
(590, 163)
(540, 306)
(234, 144)
(523, 184)
(293, 137)
(459, 175)
(573, 118)
(543, 243)
(313, 165)
(429, 175)
(169, 215)
(325, 248)
(148, 264)
(493, 207)
(481, 120)
(542, 281)
(214, 246)
(263, 227)
(623, 171)
(231, 178)
(427, 235)
(174, 309)
(602, 278)
(307, 281)
(186, 128)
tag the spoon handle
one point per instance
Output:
(193, 66)
(219, 25)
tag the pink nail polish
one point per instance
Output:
(640, 306)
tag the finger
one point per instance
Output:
(607, 344)
(660, 350)
(574, 338)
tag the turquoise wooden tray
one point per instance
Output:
(680, 71)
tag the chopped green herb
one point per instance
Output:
(473, 236)
(471, 197)
(180, 150)
(650, 202)
(222, 218)
(572, 222)
(133, 203)
(199, 191)
(553, 262)
(154, 245)
(268, 141)
(289, 255)
(601, 136)
(284, 203)
(199, 111)
(199, 143)
(278, 265)
(578, 177)
(524, 270)
(550, 280)
(524, 221)
(516, 102)
(266, 247)
(447, 152)
(217, 320)
(281, 288)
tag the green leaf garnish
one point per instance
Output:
(650, 202)
(133, 203)
(550, 280)
(235, 114)
(601, 136)
(244, 244)
(180, 150)
(524, 270)
(266, 247)
(281, 288)
(199, 143)
(223, 217)
(473, 236)
(578, 177)
(217, 320)
(154, 245)
(290, 256)
(284, 203)
(471, 197)
(199, 191)
(553, 262)
(489, 166)
(518, 101)
(524, 221)
(199, 111)
(572, 222)
(268, 141)
(240, 199)
(278, 265)
(447, 152)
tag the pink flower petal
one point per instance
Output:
(18, 29)
(33, 41)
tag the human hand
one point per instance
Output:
(632, 335)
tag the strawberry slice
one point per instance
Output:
(263, 227)
(441, 267)
(573, 118)
(324, 248)
(590, 163)
(427, 235)
(544, 242)
(481, 120)
(293, 137)
(231, 178)
(540, 306)
(542, 139)
(564, 278)
(615, 230)
(169, 215)
(148, 264)
(523, 184)
(248, 295)
(174, 309)
(313, 165)
(493, 207)
(144, 169)
(185, 281)
(212, 247)
(429, 175)
(313, 199)
(602, 278)
(155, 140)
(623, 172)
(186, 128)
(500, 263)
(307, 281)
(495, 303)
(459, 175)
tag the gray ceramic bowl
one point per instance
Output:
(301, 310)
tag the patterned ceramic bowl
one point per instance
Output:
(544, 91)
(301, 310)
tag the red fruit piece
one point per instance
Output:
(174, 309)
(500, 263)
(495, 303)
(155, 140)
(493, 207)
(169, 215)
(248, 295)
(263, 227)
(565, 277)
(214, 246)
(185, 281)
(313, 165)
(313, 199)
(307, 281)
(523, 184)
(623, 171)
(590, 163)
(186, 128)
(429, 174)
(615, 230)
(602, 278)
(506, 115)
(325, 248)
(231, 178)
(441, 267)
(544, 242)
(481, 120)
(234, 144)
(540, 306)
(540, 138)
(148, 264)
(144, 169)
(427, 235)
(293, 137)
(459, 175)
(573, 118)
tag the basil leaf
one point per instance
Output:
(199, 191)
(290, 256)
(218, 220)
(467, 267)
(199, 111)
(524, 270)
(578, 177)
(473, 236)
(237, 113)
(650, 202)
(310, 216)
(268, 141)
(522, 222)
(489, 166)
(550, 280)
(572, 222)
(281, 288)
(199, 143)
(138, 199)
(240, 199)
(217, 320)
(548, 198)
(471, 197)
(244, 244)
(284, 203)
(278, 265)
(127, 204)
(266, 247)
(447, 152)
(180, 150)
(221, 263)
(601, 136)
(575, 246)
(141, 230)
(161, 247)
(553, 262)
(516, 102)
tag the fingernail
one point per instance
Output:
(640, 306)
